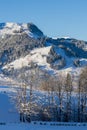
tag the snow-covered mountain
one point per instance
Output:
(22, 43)
(18, 28)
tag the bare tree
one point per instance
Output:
(25, 99)
(59, 94)
(68, 93)
(82, 96)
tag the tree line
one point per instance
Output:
(52, 98)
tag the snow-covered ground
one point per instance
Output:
(13, 28)
(39, 56)
(9, 118)
(8, 113)
(16, 126)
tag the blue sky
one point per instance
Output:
(56, 18)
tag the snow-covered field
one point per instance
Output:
(8, 112)
(39, 127)
(9, 118)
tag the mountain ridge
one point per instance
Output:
(21, 40)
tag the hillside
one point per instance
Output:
(22, 43)
(34, 75)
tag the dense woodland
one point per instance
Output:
(51, 98)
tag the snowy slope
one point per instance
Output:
(8, 112)
(15, 28)
(17, 47)
(39, 56)
(9, 28)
